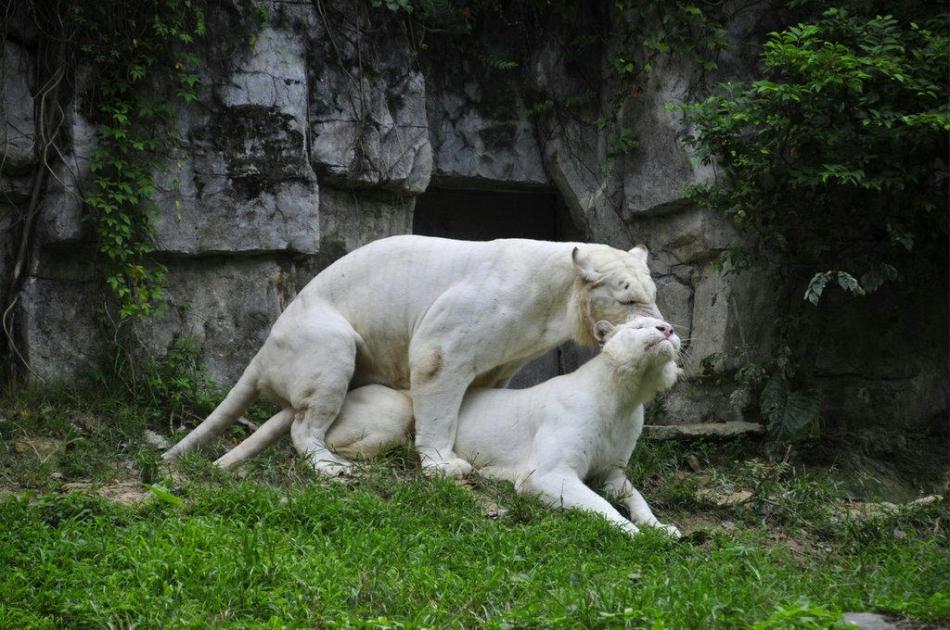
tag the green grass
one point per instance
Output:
(421, 554)
(391, 548)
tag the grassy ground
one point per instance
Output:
(768, 545)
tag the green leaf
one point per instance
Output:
(816, 286)
(787, 414)
(801, 411)
(848, 282)
(876, 276)
(163, 495)
(773, 397)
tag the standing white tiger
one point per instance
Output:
(431, 316)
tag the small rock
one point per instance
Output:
(156, 440)
(899, 533)
(727, 525)
(127, 492)
(927, 500)
(724, 499)
(860, 509)
(795, 546)
(56, 475)
(498, 512)
(868, 621)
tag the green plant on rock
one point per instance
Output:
(789, 414)
(835, 161)
(140, 58)
(693, 31)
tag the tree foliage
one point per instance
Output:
(835, 160)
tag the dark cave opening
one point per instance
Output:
(482, 215)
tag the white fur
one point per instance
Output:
(551, 438)
(428, 315)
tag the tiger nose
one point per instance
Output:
(666, 329)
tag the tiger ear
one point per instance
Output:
(641, 253)
(602, 331)
(584, 266)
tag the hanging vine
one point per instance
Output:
(52, 62)
(136, 62)
(143, 56)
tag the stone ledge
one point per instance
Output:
(711, 430)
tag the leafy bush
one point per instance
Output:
(835, 161)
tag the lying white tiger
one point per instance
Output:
(548, 439)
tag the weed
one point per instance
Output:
(801, 615)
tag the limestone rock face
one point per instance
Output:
(351, 219)
(243, 181)
(574, 161)
(688, 237)
(17, 151)
(8, 247)
(60, 213)
(692, 402)
(675, 300)
(656, 174)
(225, 306)
(706, 431)
(480, 132)
(876, 366)
(17, 123)
(367, 105)
(63, 334)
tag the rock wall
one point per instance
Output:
(318, 135)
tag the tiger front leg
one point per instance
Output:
(565, 489)
(437, 389)
(619, 487)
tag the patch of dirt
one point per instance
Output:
(690, 523)
(124, 492)
(490, 508)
